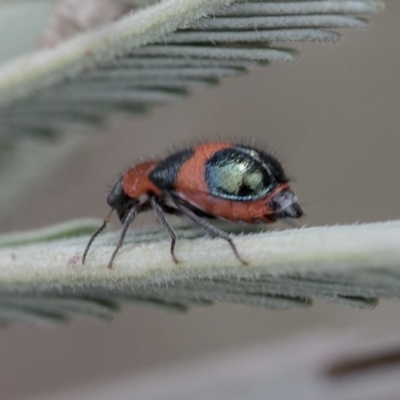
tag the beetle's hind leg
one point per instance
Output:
(158, 210)
(211, 229)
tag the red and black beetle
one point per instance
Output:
(211, 180)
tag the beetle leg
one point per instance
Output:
(127, 221)
(214, 231)
(158, 210)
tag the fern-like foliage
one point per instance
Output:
(157, 55)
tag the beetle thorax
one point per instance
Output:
(136, 180)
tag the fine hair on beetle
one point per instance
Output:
(236, 182)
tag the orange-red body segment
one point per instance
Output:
(137, 182)
(249, 211)
(191, 186)
(191, 176)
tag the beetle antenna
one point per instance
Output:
(96, 233)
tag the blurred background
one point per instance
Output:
(332, 118)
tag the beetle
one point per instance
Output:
(211, 180)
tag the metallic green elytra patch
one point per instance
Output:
(232, 177)
(239, 173)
